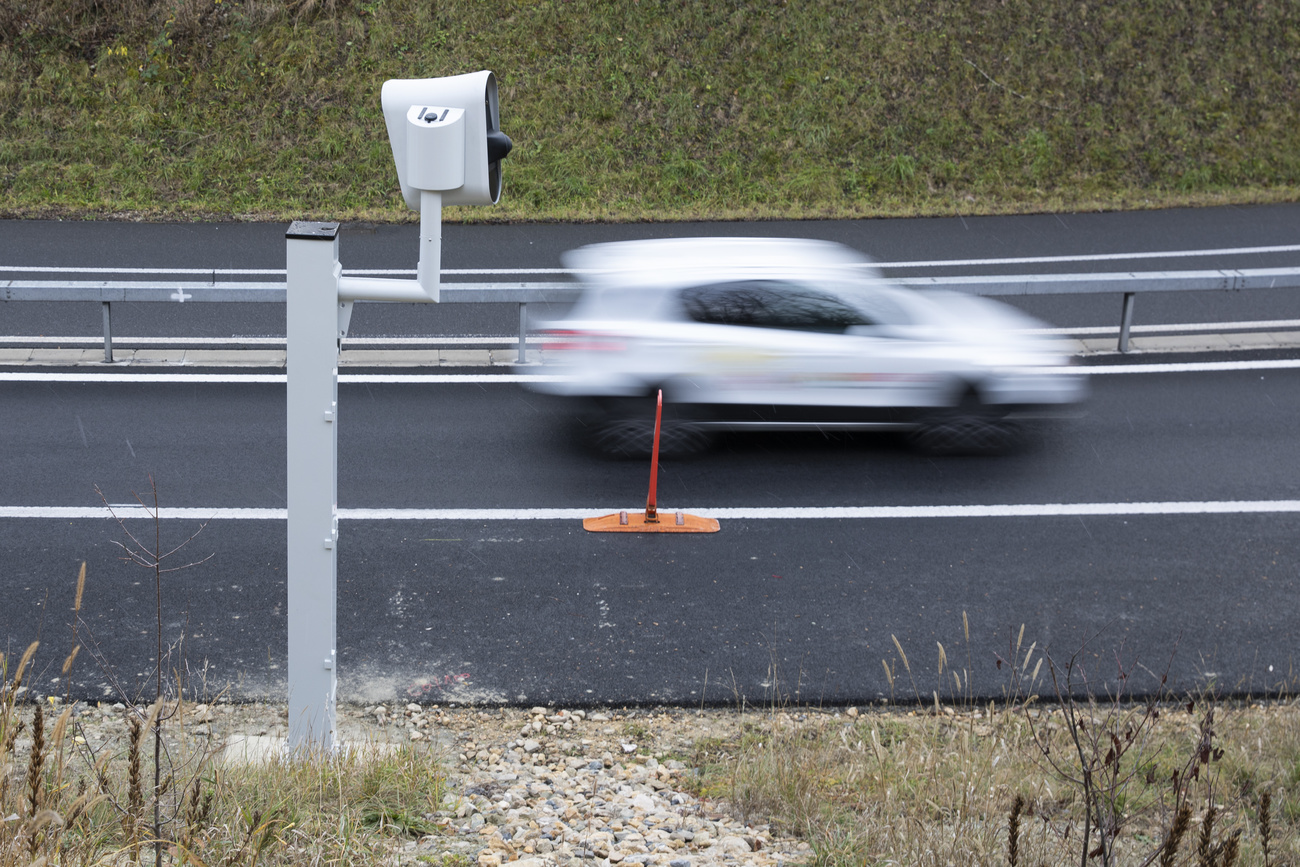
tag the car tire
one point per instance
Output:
(970, 428)
(634, 438)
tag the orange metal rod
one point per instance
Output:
(652, 513)
(630, 522)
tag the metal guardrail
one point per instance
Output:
(231, 291)
(1129, 284)
(108, 291)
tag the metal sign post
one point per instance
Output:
(447, 147)
(313, 319)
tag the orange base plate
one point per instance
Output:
(635, 522)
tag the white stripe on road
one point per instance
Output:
(24, 376)
(1187, 367)
(936, 263)
(421, 378)
(1096, 257)
(1025, 510)
(243, 378)
(64, 269)
(513, 339)
(98, 340)
(373, 378)
(348, 342)
(1224, 327)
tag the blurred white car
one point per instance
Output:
(772, 334)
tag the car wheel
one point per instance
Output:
(634, 438)
(970, 428)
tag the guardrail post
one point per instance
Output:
(108, 333)
(1126, 321)
(523, 333)
(312, 342)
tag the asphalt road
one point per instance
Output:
(535, 611)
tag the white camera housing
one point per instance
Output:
(422, 158)
(448, 146)
(435, 147)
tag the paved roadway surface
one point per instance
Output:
(525, 610)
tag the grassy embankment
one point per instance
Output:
(649, 109)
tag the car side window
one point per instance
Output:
(770, 304)
(880, 306)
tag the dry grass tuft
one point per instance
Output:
(915, 787)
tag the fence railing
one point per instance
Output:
(1127, 284)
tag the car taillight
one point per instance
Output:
(587, 341)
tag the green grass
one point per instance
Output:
(654, 109)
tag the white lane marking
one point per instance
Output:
(936, 263)
(272, 378)
(1095, 257)
(42, 340)
(65, 269)
(421, 378)
(348, 342)
(1021, 510)
(508, 340)
(513, 339)
(1187, 367)
(372, 378)
(227, 272)
(234, 378)
(1228, 327)
(133, 511)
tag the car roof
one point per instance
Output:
(677, 261)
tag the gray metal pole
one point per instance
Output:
(1126, 322)
(108, 333)
(312, 332)
(523, 333)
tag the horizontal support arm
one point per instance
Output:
(381, 289)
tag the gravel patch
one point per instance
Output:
(534, 787)
(551, 786)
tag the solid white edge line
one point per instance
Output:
(372, 378)
(1023, 510)
(513, 339)
(348, 342)
(98, 340)
(72, 269)
(1187, 367)
(1225, 327)
(938, 263)
(421, 378)
(233, 378)
(272, 378)
(1095, 257)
